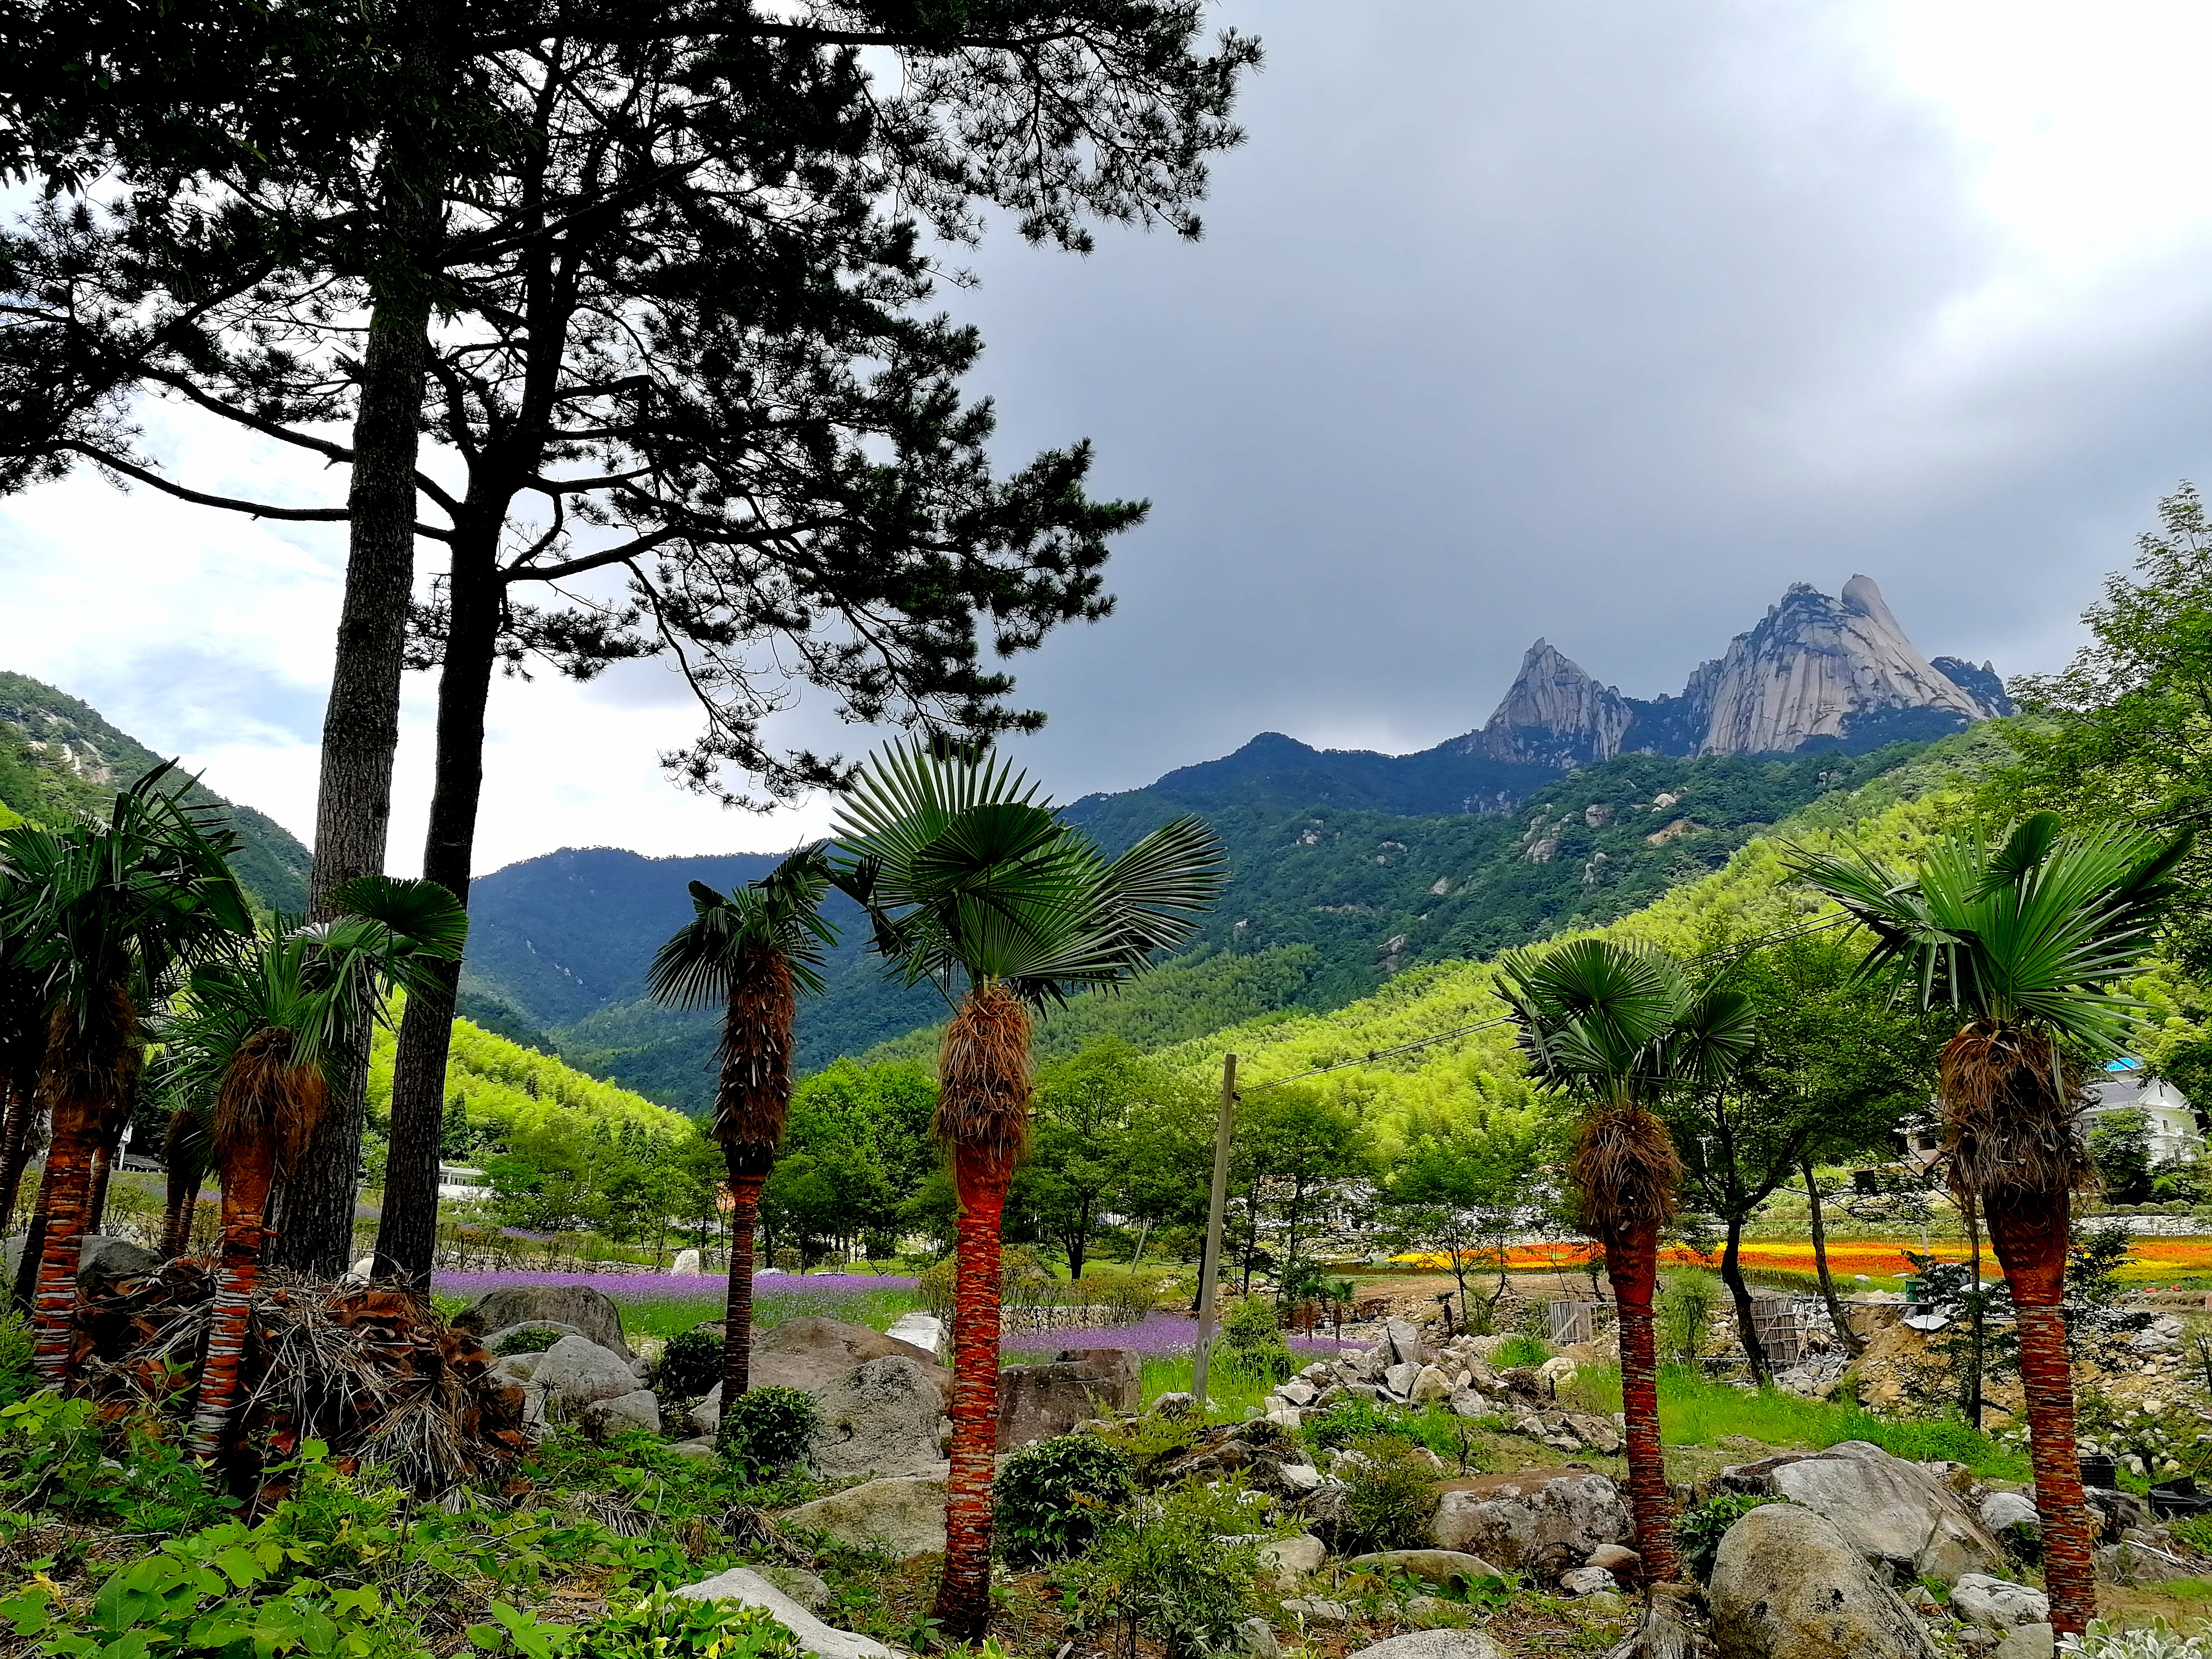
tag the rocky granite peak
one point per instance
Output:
(1815, 668)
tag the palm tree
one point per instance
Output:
(971, 881)
(1614, 1025)
(262, 1030)
(2025, 941)
(22, 1044)
(752, 952)
(113, 912)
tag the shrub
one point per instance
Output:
(768, 1429)
(1054, 1497)
(1519, 1350)
(1697, 1530)
(691, 1365)
(1349, 1420)
(535, 1340)
(1152, 1442)
(1252, 1340)
(19, 1378)
(2194, 1530)
(1390, 1494)
(1684, 1315)
(1163, 1574)
(2156, 1640)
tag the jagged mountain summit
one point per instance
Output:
(1815, 671)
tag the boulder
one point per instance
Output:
(1298, 1391)
(1039, 1402)
(1404, 1343)
(516, 1369)
(99, 1257)
(807, 1354)
(904, 1515)
(1997, 1603)
(1902, 1515)
(887, 1417)
(1587, 1581)
(2026, 1642)
(2002, 1510)
(575, 1373)
(1316, 1607)
(1400, 1378)
(1595, 1432)
(1788, 1584)
(1617, 1559)
(1517, 1520)
(578, 1306)
(1467, 1403)
(623, 1413)
(686, 1265)
(810, 1590)
(1432, 1644)
(1438, 1566)
(706, 1417)
(1291, 1559)
(1430, 1384)
(495, 1338)
(1256, 1636)
(742, 1585)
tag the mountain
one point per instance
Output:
(59, 757)
(1815, 672)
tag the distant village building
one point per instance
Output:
(2126, 1086)
(458, 1181)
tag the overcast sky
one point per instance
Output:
(1604, 321)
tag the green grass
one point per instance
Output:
(1694, 1411)
(1228, 1390)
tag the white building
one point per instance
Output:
(2126, 1086)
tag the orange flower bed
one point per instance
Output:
(2151, 1258)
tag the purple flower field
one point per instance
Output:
(1161, 1336)
(674, 1287)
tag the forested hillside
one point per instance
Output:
(58, 757)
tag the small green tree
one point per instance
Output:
(2120, 1148)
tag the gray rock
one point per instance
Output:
(644, 1369)
(808, 1353)
(1586, 1581)
(1291, 1559)
(1902, 1515)
(497, 1339)
(886, 1417)
(2026, 1642)
(701, 1448)
(904, 1515)
(1467, 1403)
(810, 1590)
(1302, 1477)
(1299, 1392)
(577, 1306)
(706, 1417)
(1432, 1644)
(1257, 1638)
(741, 1585)
(1175, 1404)
(1595, 1432)
(1787, 1584)
(2002, 1510)
(517, 1369)
(1616, 1559)
(98, 1257)
(1400, 1378)
(2132, 1563)
(1437, 1566)
(1329, 1613)
(576, 1372)
(623, 1413)
(686, 1265)
(1040, 1403)
(1514, 1518)
(1429, 1384)
(1998, 1603)
(1405, 1342)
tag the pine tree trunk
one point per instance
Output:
(737, 1320)
(407, 1236)
(963, 1594)
(1746, 1329)
(244, 1206)
(1844, 1334)
(1631, 1262)
(2030, 1241)
(360, 720)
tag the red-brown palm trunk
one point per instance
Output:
(1631, 1262)
(95, 1200)
(963, 1594)
(182, 1205)
(2030, 1240)
(245, 1209)
(737, 1321)
(90, 1064)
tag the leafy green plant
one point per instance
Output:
(1054, 1497)
(535, 1338)
(2194, 1530)
(1698, 1530)
(1390, 1493)
(18, 1380)
(1151, 1443)
(1164, 1574)
(660, 1626)
(1522, 1349)
(1252, 1341)
(767, 1430)
(1350, 1419)
(690, 1364)
(2156, 1640)
(1685, 1310)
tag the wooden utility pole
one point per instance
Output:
(1209, 1264)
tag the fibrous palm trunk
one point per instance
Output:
(2030, 1241)
(737, 1319)
(982, 1116)
(752, 1097)
(246, 1183)
(1631, 1262)
(963, 1594)
(91, 1061)
(95, 1198)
